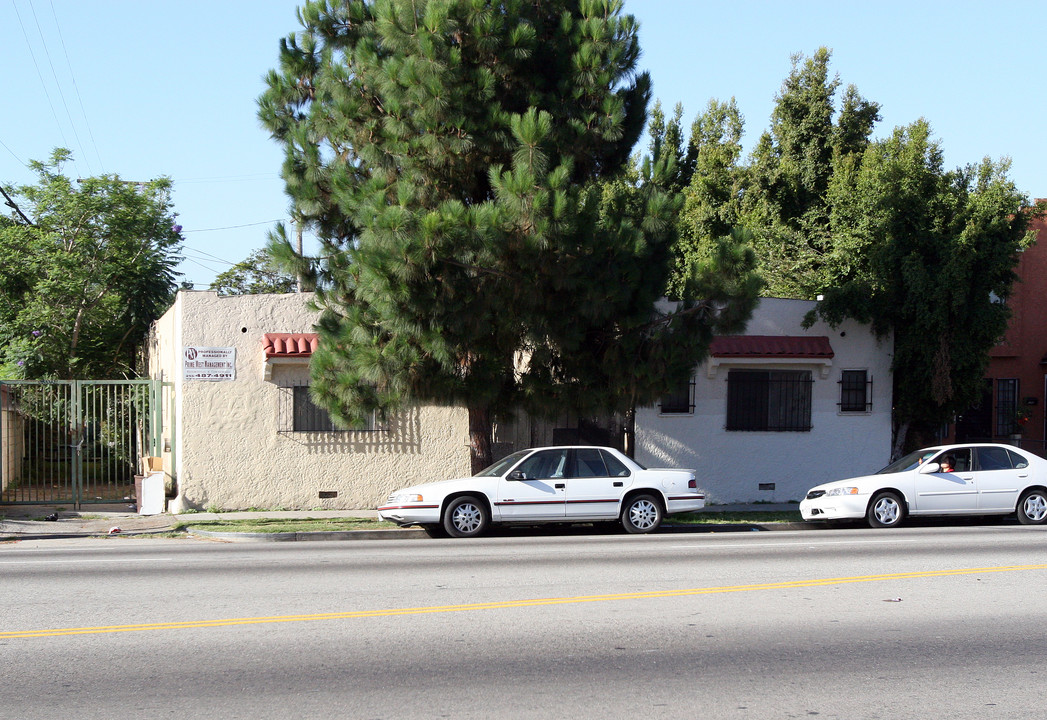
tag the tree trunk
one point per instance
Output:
(629, 433)
(480, 438)
(900, 436)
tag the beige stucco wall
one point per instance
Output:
(227, 451)
(10, 442)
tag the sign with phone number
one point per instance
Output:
(215, 364)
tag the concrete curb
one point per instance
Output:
(419, 534)
(10, 537)
(262, 537)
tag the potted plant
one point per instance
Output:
(1021, 420)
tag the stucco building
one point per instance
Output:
(777, 410)
(240, 430)
(768, 415)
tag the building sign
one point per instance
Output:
(209, 363)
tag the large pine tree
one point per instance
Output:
(461, 162)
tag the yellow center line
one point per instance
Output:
(504, 604)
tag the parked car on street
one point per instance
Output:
(973, 479)
(544, 485)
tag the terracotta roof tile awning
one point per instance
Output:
(771, 346)
(770, 349)
(289, 345)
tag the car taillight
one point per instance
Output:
(692, 484)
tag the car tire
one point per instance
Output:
(886, 510)
(1032, 508)
(641, 514)
(466, 516)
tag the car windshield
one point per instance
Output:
(500, 467)
(910, 461)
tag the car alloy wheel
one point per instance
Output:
(641, 514)
(465, 517)
(885, 510)
(1032, 508)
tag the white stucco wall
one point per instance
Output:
(227, 451)
(732, 465)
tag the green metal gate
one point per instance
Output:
(75, 441)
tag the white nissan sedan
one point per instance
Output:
(545, 485)
(976, 479)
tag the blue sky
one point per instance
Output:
(144, 88)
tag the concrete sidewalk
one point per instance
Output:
(40, 522)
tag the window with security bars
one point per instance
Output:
(679, 402)
(855, 391)
(775, 400)
(298, 413)
(1007, 406)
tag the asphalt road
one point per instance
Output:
(917, 622)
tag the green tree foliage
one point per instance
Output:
(785, 200)
(933, 262)
(259, 273)
(879, 228)
(463, 164)
(712, 189)
(81, 285)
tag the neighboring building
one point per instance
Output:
(250, 436)
(1014, 381)
(778, 410)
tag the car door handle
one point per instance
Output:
(559, 486)
(619, 484)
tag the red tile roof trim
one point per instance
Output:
(289, 345)
(771, 346)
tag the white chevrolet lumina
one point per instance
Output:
(975, 479)
(545, 485)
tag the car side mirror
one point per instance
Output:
(928, 468)
(516, 475)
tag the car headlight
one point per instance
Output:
(408, 498)
(842, 491)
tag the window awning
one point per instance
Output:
(287, 348)
(771, 346)
(769, 349)
(289, 345)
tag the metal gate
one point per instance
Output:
(75, 441)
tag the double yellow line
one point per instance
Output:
(505, 604)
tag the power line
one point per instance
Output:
(58, 84)
(229, 178)
(235, 227)
(213, 257)
(11, 204)
(20, 161)
(72, 76)
(43, 85)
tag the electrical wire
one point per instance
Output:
(43, 85)
(72, 76)
(234, 227)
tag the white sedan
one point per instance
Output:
(976, 479)
(553, 484)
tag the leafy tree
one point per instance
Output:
(786, 203)
(712, 191)
(81, 285)
(259, 273)
(879, 228)
(933, 257)
(462, 163)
